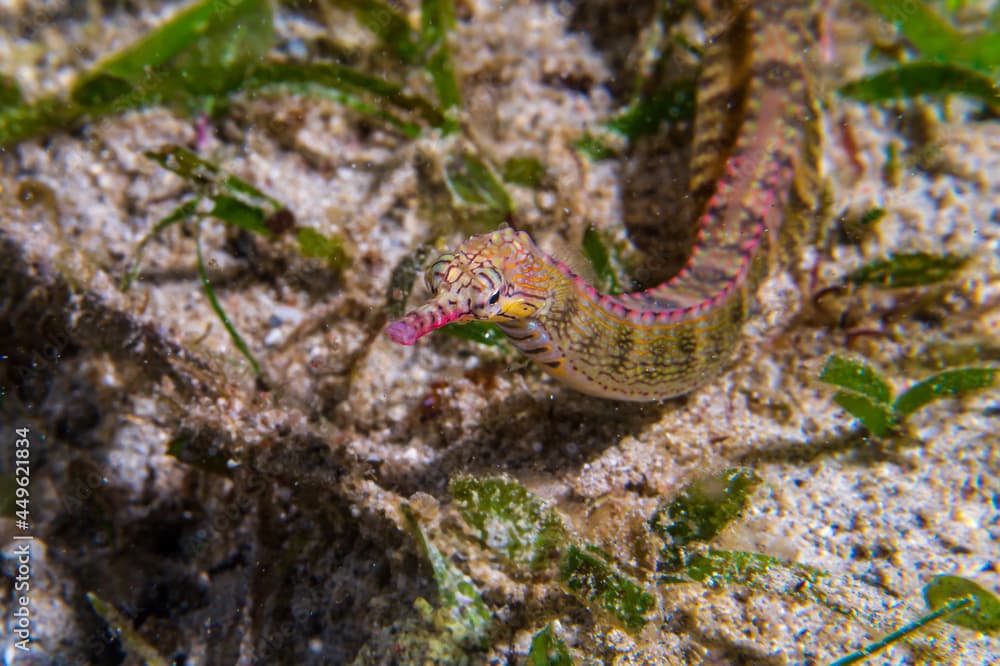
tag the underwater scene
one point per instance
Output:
(530, 332)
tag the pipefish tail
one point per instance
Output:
(755, 157)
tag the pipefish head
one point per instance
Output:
(484, 279)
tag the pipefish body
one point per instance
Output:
(672, 338)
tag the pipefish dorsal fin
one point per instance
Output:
(573, 256)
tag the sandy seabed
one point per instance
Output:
(273, 533)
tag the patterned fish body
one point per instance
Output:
(673, 338)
